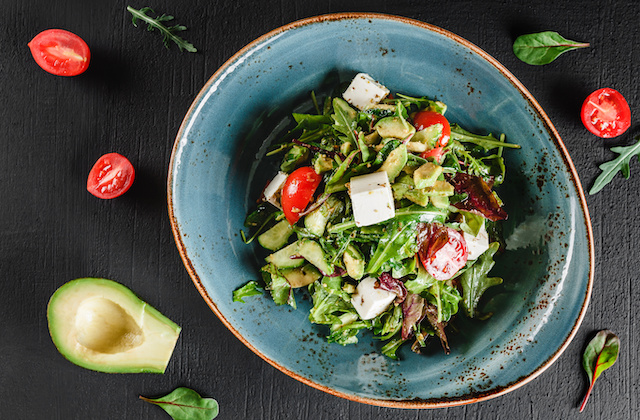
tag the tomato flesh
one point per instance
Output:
(60, 52)
(111, 176)
(442, 250)
(424, 119)
(606, 113)
(298, 191)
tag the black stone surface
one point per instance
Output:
(132, 100)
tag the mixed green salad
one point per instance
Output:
(385, 212)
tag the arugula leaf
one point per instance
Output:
(251, 288)
(186, 404)
(543, 47)
(398, 243)
(446, 299)
(169, 33)
(475, 281)
(487, 142)
(277, 284)
(345, 119)
(601, 353)
(621, 163)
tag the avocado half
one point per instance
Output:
(102, 325)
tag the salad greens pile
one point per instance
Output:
(404, 278)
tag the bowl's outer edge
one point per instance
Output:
(439, 403)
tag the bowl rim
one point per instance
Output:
(549, 127)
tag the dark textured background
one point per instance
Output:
(132, 100)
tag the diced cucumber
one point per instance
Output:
(301, 276)
(313, 252)
(316, 221)
(283, 258)
(276, 237)
(354, 262)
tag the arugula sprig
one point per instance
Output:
(169, 33)
(619, 164)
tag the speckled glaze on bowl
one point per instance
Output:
(218, 168)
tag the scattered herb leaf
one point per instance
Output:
(621, 163)
(169, 33)
(543, 47)
(186, 404)
(251, 288)
(601, 353)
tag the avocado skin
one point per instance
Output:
(61, 312)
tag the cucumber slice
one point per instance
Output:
(283, 258)
(313, 252)
(276, 237)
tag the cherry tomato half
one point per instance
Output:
(111, 176)
(297, 192)
(606, 113)
(442, 250)
(424, 119)
(435, 153)
(60, 52)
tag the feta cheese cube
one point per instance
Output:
(476, 245)
(364, 91)
(272, 190)
(370, 301)
(371, 198)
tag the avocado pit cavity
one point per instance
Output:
(104, 326)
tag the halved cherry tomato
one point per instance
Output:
(606, 113)
(435, 153)
(424, 119)
(442, 250)
(60, 52)
(111, 176)
(298, 191)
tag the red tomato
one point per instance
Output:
(424, 119)
(606, 113)
(60, 52)
(297, 192)
(436, 153)
(111, 176)
(442, 250)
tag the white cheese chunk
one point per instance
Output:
(476, 245)
(371, 198)
(370, 301)
(273, 189)
(364, 91)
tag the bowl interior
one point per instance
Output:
(219, 169)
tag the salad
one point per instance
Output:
(385, 212)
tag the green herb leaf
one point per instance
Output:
(475, 280)
(601, 353)
(487, 142)
(345, 119)
(186, 404)
(543, 47)
(621, 163)
(251, 288)
(169, 33)
(399, 242)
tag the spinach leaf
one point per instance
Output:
(601, 353)
(475, 280)
(398, 243)
(543, 47)
(621, 163)
(186, 404)
(251, 288)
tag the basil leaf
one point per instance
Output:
(621, 163)
(249, 289)
(475, 280)
(186, 404)
(601, 353)
(543, 47)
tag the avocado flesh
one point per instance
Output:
(101, 325)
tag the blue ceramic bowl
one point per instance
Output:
(218, 169)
